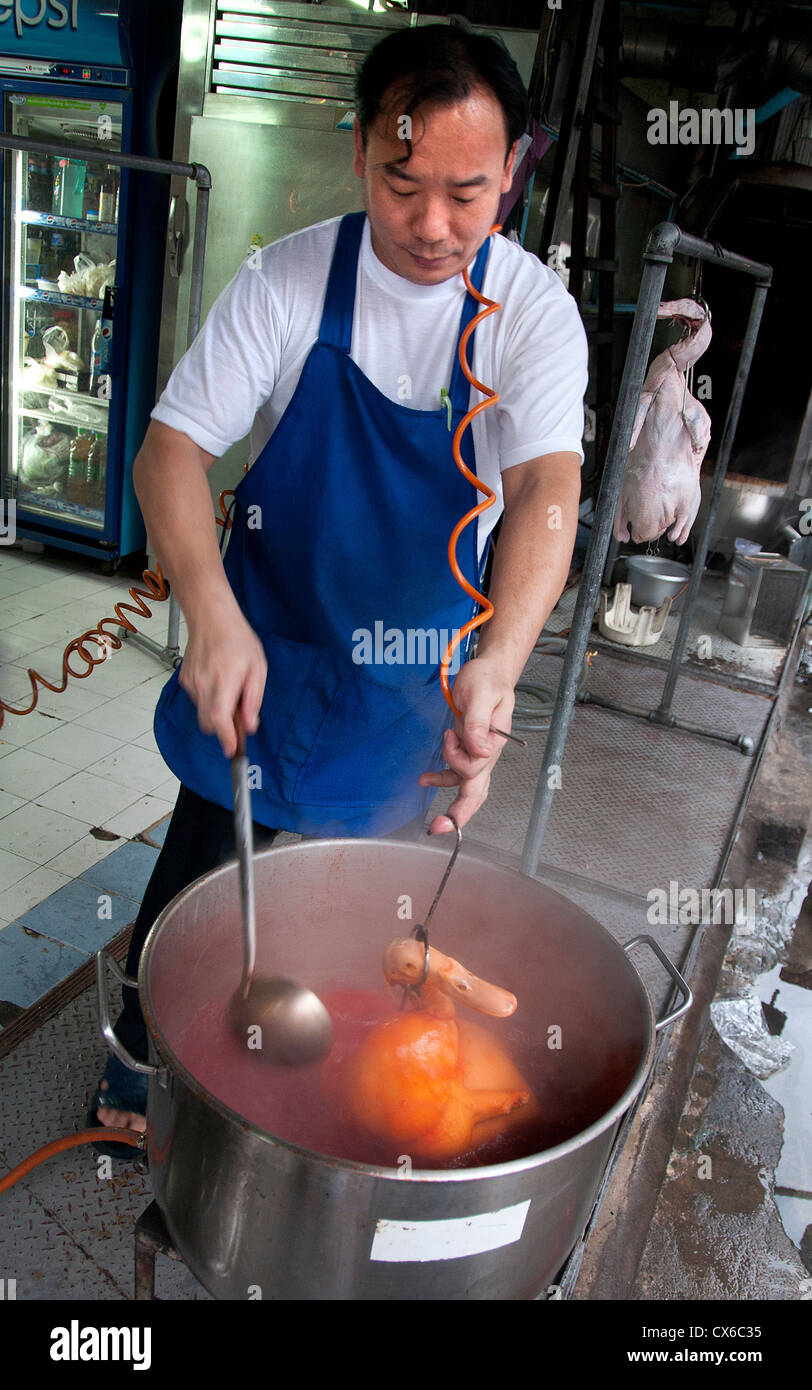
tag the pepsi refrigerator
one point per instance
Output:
(83, 261)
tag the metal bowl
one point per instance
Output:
(653, 579)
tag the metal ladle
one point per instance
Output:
(296, 1028)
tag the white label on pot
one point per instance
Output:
(397, 1241)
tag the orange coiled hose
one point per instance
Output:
(107, 641)
(485, 604)
(103, 640)
(71, 1141)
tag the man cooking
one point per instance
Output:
(337, 348)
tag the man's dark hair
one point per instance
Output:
(439, 65)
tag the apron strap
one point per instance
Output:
(339, 300)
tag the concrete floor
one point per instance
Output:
(720, 1221)
(639, 807)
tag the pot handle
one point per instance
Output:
(103, 957)
(682, 986)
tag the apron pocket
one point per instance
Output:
(300, 689)
(373, 744)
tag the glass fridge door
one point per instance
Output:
(61, 268)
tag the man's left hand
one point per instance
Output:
(469, 748)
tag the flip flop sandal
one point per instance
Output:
(126, 1090)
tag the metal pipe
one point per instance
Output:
(665, 241)
(662, 713)
(614, 468)
(564, 166)
(124, 161)
(669, 240)
(741, 741)
(199, 252)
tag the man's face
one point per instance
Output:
(429, 216)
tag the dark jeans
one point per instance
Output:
(200, 837)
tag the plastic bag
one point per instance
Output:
(44, 460)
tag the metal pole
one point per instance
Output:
(124, 161)
(577, 90)
(170, 653)
(663, 715)
(172, 650)
(665, 241)
(634, 371)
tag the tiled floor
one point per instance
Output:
(83, 762)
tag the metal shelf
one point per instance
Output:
(68, 224)
(60, 420)
(57, 506)
(62, 394)
(73, 301)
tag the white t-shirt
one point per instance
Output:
(242, 368)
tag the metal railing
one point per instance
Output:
(665, 241)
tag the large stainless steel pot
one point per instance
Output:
(254, 1215)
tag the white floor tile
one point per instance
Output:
(38, 833)
(72, 586)
(20, 731)
(13, 558)
(146, 740)
(86, 611)
(147, 694)
(28, 774)
(114, 677)
(139, 816)
(168, 789)
(15, 685)
(21, 607)
(13, 581)
(32, 889)
(119, 718)
(76, 700)
(39, 629)
(131, 767)
(62, 563)
(15, 647)
(8, 802)
(91, 799)
(13, 867)
(139, 665)
(83, 855)
(72, 744)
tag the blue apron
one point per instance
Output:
(337, 557)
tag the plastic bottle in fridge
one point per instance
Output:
(107, 197)
(97, 473)
(77, 468)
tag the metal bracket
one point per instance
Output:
(177, 234)
(682, 985)
(104, 958)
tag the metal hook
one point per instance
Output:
(421, 931)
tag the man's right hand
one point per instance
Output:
(224, 668)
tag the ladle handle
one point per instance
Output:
(244, 836)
